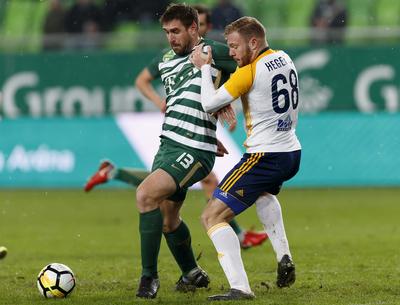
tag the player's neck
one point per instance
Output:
(259, 51)
(196, 41)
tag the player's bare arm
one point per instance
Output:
(143, 83)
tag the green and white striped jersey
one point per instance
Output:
(185, 120)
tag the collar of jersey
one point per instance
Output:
(266, 49)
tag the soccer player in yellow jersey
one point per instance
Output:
(267, 83)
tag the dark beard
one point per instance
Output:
(185, 51)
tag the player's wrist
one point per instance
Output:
(205, 67)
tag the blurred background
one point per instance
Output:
(67, 71)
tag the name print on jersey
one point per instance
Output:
(276, 63)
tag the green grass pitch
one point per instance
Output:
(345, 243)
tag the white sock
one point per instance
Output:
(270, 214)
(227, 245)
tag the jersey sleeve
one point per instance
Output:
(240, 81)
(153, 67)
(222, 60)
(211, 99)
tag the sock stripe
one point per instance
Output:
(216, 227)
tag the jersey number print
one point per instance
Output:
(292, 97)
(185, 160)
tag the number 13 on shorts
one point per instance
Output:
(185, 159)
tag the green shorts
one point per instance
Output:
(186, 165)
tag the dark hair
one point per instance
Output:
(182, 12)
(202, 9)
(247, 27)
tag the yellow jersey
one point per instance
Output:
(269, 90)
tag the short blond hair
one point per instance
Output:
(247, 27)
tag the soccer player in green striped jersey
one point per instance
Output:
(108, 171)
(187, 150)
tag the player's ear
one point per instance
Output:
(193, 28)
(253, 43)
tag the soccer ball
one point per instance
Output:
(55, 281)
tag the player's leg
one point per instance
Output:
(107, 171)
(233, 195)
(254, 174)
(175, 168)
(248, 238)
(280, 167)
(179, 241)
(131, 176)
(150, 194)
(215, 220)
(270, 214)
(208, 184)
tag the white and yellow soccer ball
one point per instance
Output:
(55, 281)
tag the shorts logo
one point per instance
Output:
(224, 194)
(240, 192)
(285, 125)
(175, 167)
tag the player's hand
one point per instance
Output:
(199, 58)
(221, 150)
(227, 115)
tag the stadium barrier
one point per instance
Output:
(364, 79)
(339, 149)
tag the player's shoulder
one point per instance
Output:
(214, 43)
(166, 55)
(245, 73)
(278, 57)
(280, 53)
(218, 48)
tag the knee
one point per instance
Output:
(207, 218)
(144, 201)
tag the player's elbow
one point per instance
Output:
(139, 82)
(143, 79)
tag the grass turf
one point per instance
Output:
(345, 243)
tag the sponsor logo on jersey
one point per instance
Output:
(168, 56)
(284, 125)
